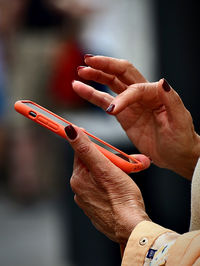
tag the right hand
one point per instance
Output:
(155, 119)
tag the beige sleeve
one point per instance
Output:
(185, 251)
(140, 241)
(195, 200)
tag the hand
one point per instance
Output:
(152, 114)
(107, 195)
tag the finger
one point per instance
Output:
(146, 161)
(145, 94)
(88, 93)
(99, 76)
(85, 149)
(172, 101)
(122, 69)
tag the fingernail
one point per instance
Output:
(110, 108)
(166, 86)
(88, 55)
(80, 67)
(71, 132)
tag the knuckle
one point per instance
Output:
(126, 66)
(74, 183)
(99, 76)
(113, 81)
(83, 148)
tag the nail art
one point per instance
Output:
(110, 108)
(166, 86)
(88, 55)
(71, 132)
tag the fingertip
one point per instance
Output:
(87, 57)
(81, 67)
(146, 161)
(160, 83)
(76, 84)
(165, 85)
(110, 108)
(71, 132)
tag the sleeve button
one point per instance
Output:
(143, 241)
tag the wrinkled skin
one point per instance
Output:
(155, 120)
(107, 195)
(157, 123)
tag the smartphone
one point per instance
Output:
(57, 124)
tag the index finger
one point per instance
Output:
(121, 68)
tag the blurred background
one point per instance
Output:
(41, 44)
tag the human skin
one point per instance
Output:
(152, 114)
(107, 195)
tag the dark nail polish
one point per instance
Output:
(88, 55)
(110, 108)
(166, 86)
(71, 132)
(80, 67)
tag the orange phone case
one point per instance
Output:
(128, 165)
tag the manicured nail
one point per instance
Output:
(80, 67)
(166, 86)
(88, 55)
(71, 132)
(110, 108)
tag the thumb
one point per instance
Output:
(85, 149)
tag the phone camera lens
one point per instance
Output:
(33, 114)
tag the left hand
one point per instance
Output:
(152, 114)
(107, 195)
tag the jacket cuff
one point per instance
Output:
(140, 241)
